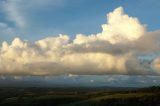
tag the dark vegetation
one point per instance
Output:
(80, 96)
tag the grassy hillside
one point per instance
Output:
(79, 97)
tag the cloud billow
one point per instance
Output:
(116, 50)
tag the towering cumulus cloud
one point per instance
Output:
(118, 49)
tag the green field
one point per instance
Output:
(79, 97)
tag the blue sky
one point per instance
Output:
(51, 17)
(37, 19)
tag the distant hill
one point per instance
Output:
(73, 96)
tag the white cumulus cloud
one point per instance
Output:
(115, 50)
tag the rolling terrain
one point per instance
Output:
(80, 96)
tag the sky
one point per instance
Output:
(82, 42)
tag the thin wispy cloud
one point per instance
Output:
(13, 12)
(17, 11)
